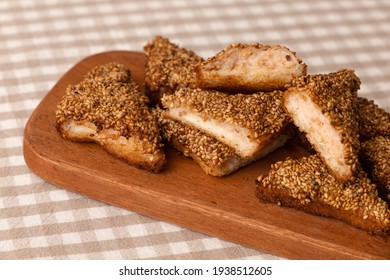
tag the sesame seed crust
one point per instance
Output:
(259, 112)
(169, 67)
(372, 119)
(306, 184)
(335, 94)
(375, 157)
(196, 144)
(214, 157)
(109, 99)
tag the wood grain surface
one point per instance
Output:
(183, 194)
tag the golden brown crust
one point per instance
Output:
(214, 157)
(375, 157)
(244, 122)
(168, 67)
(250, 68)
(373, 120)
(307, 185)
(260, 112)
(191, 142)
(126, 149)
(107, 106)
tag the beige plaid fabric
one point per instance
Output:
(41, 40)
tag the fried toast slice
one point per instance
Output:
(168, 67)
(108, 108)
(306, 184)
(214, 157)
(250, 68)
(322, 106)
(245, 122)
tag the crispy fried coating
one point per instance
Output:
(375, 157)
(323, 107)
(306, 184)
(244, 122)
(214, 157)
(168, 67)
(107, 107)
(250, 68)
(373, 120)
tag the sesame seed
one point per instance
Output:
(335, 94)
(111, 99)
(375, 157)
(169, 67)
(319, 186)
(260, 112)
(372, 119)
(205, 147)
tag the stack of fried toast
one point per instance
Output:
(224, 112)
(235, 108)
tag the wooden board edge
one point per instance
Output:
(145, 203)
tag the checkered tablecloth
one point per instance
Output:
(41, 40)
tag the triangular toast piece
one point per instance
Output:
(375, 158)
(214, 157)
(323, 107)
(373, 120)
(168, 67)
(250, 68)
(108, 107)
(307, 185)
(245, 122)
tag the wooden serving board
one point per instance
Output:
(183, 194)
